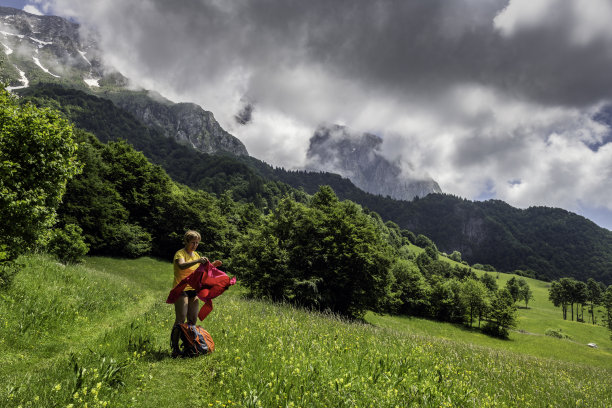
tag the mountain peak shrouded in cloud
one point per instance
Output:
(358, 157)
(475, 93)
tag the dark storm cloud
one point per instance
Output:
(403, 46)
(477, 93)
(407, 46)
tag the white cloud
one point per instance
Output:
(490, 98)
(29, 8)
(584, 21)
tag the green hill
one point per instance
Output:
(552, 242)
(97, 334)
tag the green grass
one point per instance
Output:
(98, 334)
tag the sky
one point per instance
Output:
(491, 98)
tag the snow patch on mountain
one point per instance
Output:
(6, 34)
(84, 57)
(91, 81)
(7, 50)
(40, 43)
(37, 62)
(24, 80)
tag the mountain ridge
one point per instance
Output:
(490, 232)
(59, 54)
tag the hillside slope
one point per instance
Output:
(111, 349)
(550, 241)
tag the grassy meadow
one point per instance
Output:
(97, 335)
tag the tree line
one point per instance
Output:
(567, 292)
(311, 250)
(544, 243)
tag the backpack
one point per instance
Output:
(187, 340)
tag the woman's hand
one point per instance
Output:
(217, 263)
(204, 259)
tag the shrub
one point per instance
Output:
(455, 256)
(492, 329)
(37, 158)
(130, 240)
(486, 268)
(422, 241)
(556, 333)
(409, 236)
(67, 244)
(8, 269)
(432, 251)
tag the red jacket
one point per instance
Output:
(208, 281)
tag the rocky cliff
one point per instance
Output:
(358, 157)
(186, 122)
(50, 49)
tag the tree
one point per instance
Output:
(474, 296)
(328, 254)
(37, 158)
(558, 297)
(502, 314)
(408, 236)
(422, 241)
(489, 281)
(607, 304)
(455, 256)
(432, 252)
(514, 288)
(568, 291)
(525, 292)
(580, 297)
(445, 300)
(594, 296)
(411, 288)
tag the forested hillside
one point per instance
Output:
(314, 250)
(547, 242)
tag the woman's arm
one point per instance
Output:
(180, 262)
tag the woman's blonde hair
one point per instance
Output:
(191, 235)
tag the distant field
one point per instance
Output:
(97, 334)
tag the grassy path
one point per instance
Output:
(114, 352)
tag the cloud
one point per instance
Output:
(489, 97)
(29, 8)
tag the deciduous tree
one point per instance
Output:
(502, 315)
(474, 296)
(594, 296)
(37, 158)
(607, 304)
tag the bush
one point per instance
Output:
(556, 333)
(432, 251)
(8, 269)
(67, 244)
(327, 255)
(130, 240)
(37, 158)
(422, 241)
(409, 236)
(455, 256)
(527, 273)
(492, 329)
(486, 268)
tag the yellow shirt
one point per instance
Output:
(180, 274)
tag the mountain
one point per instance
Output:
(551, 242)
(46, 48)
(188, 123)
(358, 157)
(49, 49)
